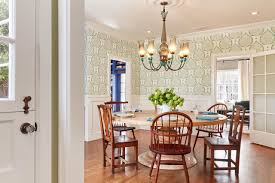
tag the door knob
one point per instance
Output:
(27, 128)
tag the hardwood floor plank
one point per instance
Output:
(257, 165)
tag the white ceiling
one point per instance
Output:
(130, 19)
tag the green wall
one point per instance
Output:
(195, 77)
(98, 46)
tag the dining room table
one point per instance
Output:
(143, 120)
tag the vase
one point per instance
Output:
(164, 108)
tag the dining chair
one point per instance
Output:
(212, 129)
(233, 142)
(117, 126)
(170, 135)
(116, 142)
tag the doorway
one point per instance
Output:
(232, 84)
(118, 82)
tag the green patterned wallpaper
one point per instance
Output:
(195, 77)
(98, 46)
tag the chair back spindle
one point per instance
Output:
(171, 128)
(236, 124)
(105, 115)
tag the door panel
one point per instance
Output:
(17, 149)
(263, 95)
(17, 154)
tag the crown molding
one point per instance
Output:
(225, 30)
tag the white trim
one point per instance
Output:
(92, 128)
(71, 91)
(128, 75)
(226, 30)
(263, 138)
(43, 91)
(202, 101)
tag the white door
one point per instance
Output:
(17, 80)
(263, 99)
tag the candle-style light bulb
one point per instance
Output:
(184, 51)
(142, 51)
(173, 45)
(151, 48)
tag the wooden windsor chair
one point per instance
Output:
(170, 135)
(212, 129)
(118, 126)
(233, 142)
(116, 142)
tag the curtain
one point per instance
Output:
(243, 67)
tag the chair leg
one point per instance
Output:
(104, 153)
(120, 133)
(113, 160)
(152, 165)
(136, 149)
(123, 156)
(229, 160)
(221, 135)
(212, 162)
(196, 140)
(204, 154)
(185, 169)
(133, 134)
(158, 165)
(237, 162)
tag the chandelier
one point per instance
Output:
(167, 53)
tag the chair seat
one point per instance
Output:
(209, 129)
(170, 149)
(123, 128)
(220, 142)
(124, 141)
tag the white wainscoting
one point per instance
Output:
(92, 124)
(202, 102)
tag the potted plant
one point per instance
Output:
(167, 99)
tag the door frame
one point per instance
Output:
(214, 58)
(43, 56)
(128, 74)
(71, 91)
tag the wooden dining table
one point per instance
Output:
(143, 120)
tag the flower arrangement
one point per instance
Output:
(168, 97)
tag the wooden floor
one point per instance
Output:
(257, 166)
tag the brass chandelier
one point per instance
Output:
(167, 52)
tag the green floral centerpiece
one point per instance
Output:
(167, 97)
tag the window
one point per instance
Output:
(6, 47)
(227, 85)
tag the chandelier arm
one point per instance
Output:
(155, 68)
(145, 66)
(180, 67)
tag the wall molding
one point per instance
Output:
(92, 125)
(262, 138)
(226, 30)
(202, 101)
